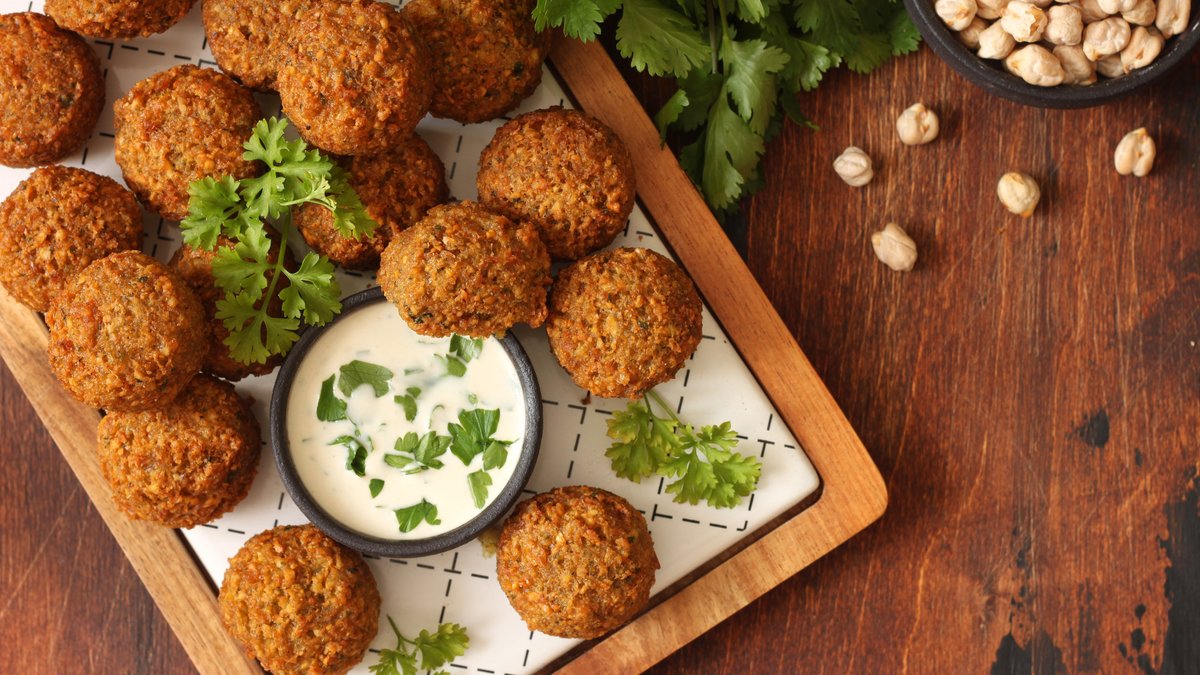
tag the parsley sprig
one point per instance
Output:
(249, 271)
(425, 652)
(703, 463)
(737, 63)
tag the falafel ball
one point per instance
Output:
(397, 188)
(487, 56)
(127, 334)
(245, 36)
(576, 561)
(53, 90)
(565, 172)
(466, 270)
(179, 126)
(185, 463)
(355, 77)
(299, 602)
(57, 222)
(623, 321)
(194, 266)
(118, 18)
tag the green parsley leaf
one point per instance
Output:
(376, 486)
(902, 34)
(254, 335)
(356, 452)
(752, 65)
(418, 453)
(704, 464)
(731, 153)
(579, 19)
(872, 50)
(357, 373)
(410, 517)
(455, 367)
(434, 649)
(211, 203)
(408, 401)
(312, 291)
(465, 348)
(473, 432)
(479, 481)
(831, 23)
(330, 408)
(495, 454)
(659, 40)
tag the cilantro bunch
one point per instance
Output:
(251, 269)
(424, 653)
(703, 463)
(737, 64)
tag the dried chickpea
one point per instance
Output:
(895, 248)
(1111, 67)
(1105, 38)
(1091, 11)
(956, 14)
(1145, 44)
(1024, 21)
(1019, 193)
(1064, 25)
(1142, 14)
(1172, 18)
(1036, 65)
(917, 125)
(990, 9)
(1116, 6)
(995, 42)
(969, 36)
(1077, 68)
(854, 167)
(1135, 153)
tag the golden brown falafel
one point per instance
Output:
(299, 602)
(623, 321)
(487, 57)
(576, 561)
(57, 222)
(355, 77)
(185, 463)
(397, 188)
(194, 266)
(179, 126)
(563, 171)
(53, 90)
(246, 36)
(126, 334)
(118, 18)
(463, 269)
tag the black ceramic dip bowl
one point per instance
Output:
(349, 471)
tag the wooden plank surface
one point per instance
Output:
(1020, 537)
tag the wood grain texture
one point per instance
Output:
(975, 382)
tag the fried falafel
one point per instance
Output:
(487, 56)
(185, 463)
(576, 561)
(299, 602)
(623, 321)
(127, 334)
(179, 126)
(53, 90)
(245, 36)
(565, 172)
(463, 269)
(57, 222)
(118, 18)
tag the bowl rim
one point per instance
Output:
(985, 74)
(401, 548)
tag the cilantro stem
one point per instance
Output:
(285, 231)
(652, 395)
(713, 38)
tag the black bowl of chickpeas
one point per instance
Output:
(1053, 54)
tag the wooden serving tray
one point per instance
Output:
(852, 495)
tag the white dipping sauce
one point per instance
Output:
(378, 335)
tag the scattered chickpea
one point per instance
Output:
(1024, 21)
(1135, 153)
(1116, 6)
(956, 14)
(1077, 69)
(995, 43)
(1064, 25)
(1019, 193)
(854, 167)
(1105, 38)
(969, 36)
(1035, 65)
(1142, 14)
(917, 125)
(895, 248)
(1172, 18)
(1145, 44)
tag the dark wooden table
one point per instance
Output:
(1031, 393)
